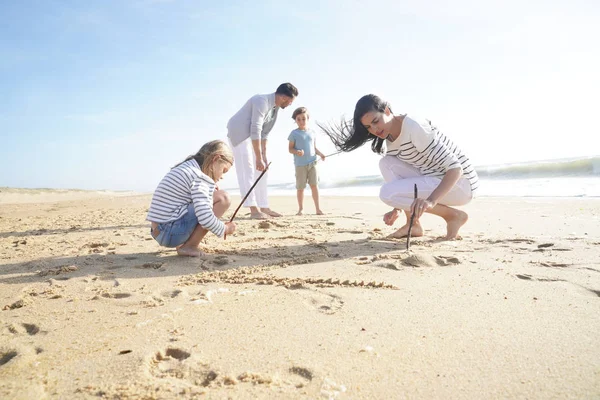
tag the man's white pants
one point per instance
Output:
(245, 168)
(398, 190)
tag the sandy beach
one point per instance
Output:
(300, 307)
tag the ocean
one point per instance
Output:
(573, 177)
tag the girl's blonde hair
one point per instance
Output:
(216, 149)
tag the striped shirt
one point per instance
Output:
(254, 120)
(430, 151)
(185, 184)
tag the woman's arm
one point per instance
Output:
(419, 206)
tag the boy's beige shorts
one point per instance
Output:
(306, 173)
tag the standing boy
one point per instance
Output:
(304, 148)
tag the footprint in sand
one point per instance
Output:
(220, 260)
(116, 295)
(173, 293)
(180, 364)
(426, 260)
(322, 302)
(6, 355)
(22, 329)
(20, 356)
(154, 265)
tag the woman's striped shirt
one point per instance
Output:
(185, 184)
(430, 151)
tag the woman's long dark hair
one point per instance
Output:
(350, 135)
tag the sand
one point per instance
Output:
(302, 307)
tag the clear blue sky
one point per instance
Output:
(110, 94)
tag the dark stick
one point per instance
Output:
(246, 196)
(412, 218)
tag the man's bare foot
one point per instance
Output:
(299, 212)
(270, 212)
(188, 252)
(416, 231)
(458, 219)
(259, 215)
(319, 212)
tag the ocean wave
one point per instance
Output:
(584, 171)
(574, 167)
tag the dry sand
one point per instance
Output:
(302, 307)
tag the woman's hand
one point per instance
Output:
(419, 206)
(390, 217)
(300, 153)
(229, 228)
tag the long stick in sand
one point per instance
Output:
(412, 218)
(246, 196)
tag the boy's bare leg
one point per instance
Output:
(221, 203)
(300, 196)
(315, 196)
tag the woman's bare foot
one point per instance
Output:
(458, 219)
(270, 212)
(259, 215)
(299, 212)
(189, 252)
(319, 212)
(416, 231)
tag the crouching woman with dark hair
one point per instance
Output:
(415, 153)
(187, 203)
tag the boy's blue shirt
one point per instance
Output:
(303, 140)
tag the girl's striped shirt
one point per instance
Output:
(430, 151)
(185, 184)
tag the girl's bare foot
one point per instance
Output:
(189, 252)
(299, 212)
(319, 212)
(416, 231)
(458, 219)
(270, 212)
(259, 215)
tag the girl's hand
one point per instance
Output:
(300, 153)
(229, 228)
(322, 157)
(419, 206)
(390, 217)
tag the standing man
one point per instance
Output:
(247, 131)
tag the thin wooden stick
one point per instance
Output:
(246, 196)
(333, 154)
(412, 218)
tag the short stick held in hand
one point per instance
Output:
(246, 196)
(412, 218)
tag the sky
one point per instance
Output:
(111, 94)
